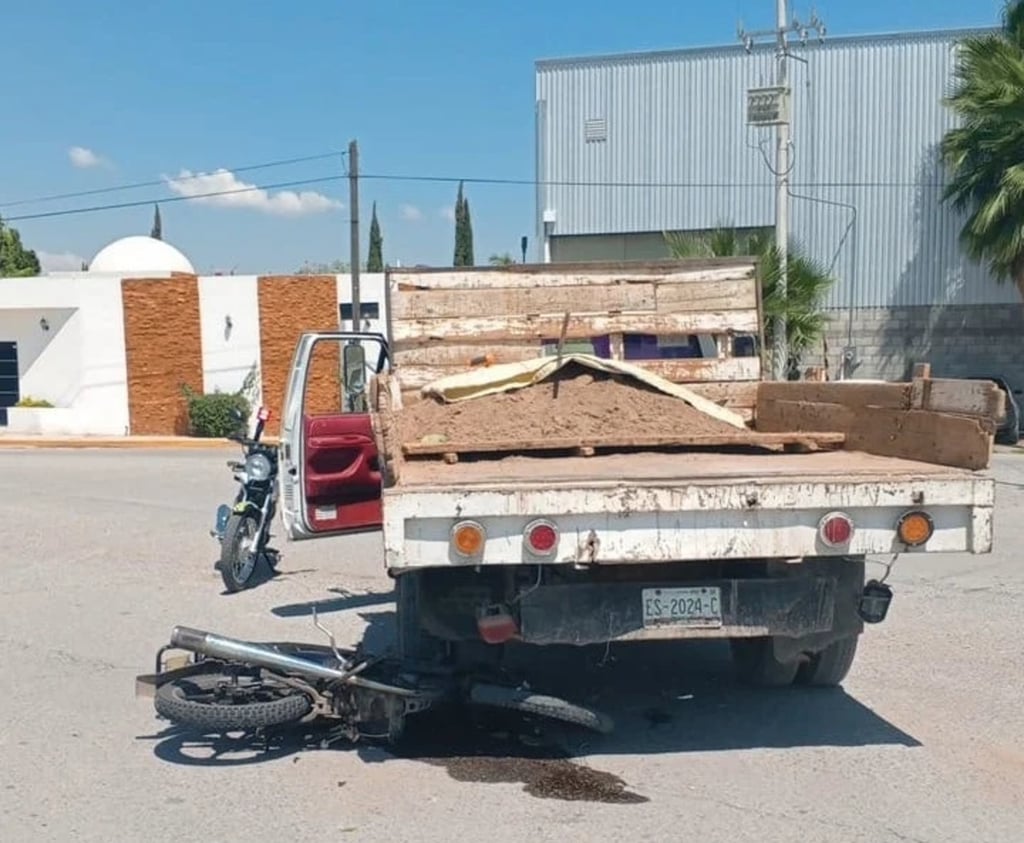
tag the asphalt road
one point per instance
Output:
(106, 551)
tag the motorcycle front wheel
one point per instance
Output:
(217, 703)
(239, 551)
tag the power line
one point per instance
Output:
(135, 204)
(160, 182)
(639, 184)
(648, 185)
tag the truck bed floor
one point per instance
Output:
(695, 467)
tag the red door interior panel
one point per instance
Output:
(342, 473)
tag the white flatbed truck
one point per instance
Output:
(765, 547)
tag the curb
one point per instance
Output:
(165, 443)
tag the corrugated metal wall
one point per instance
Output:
(868, 118)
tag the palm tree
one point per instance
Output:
(504, 259)
(985, 153)
(807, 283)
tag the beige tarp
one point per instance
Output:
(504, 377)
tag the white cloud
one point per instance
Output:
(59, 261)
(84, 158)
(448, 213)
(410, 213)
(239, 194)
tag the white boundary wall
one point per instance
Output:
(78, 364)
(77, 361)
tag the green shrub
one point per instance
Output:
(29, 401)
(211, 416)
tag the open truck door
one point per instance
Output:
(330, 470)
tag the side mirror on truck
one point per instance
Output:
(354, 368)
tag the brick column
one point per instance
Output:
(290, 305)
(163, 351)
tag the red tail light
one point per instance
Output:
(836, 529)
(541, 537)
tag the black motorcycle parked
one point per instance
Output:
(243, 529)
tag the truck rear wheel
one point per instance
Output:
(414, 643)
(755, 664)
(829, 667)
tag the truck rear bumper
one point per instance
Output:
(651, 523)
(579, 614)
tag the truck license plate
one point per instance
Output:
(693, 607)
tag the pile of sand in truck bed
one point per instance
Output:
(590, 406)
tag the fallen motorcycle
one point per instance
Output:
(243, 529)
(228, 685)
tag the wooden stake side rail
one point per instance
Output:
(978, 398)
(588, 447)
(442, 322)
(958, 441)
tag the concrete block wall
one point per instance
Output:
(957, 340)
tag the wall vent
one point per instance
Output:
(595, 130)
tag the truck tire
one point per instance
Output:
(542, 705)
(828, 668)
(755, 664)
(414, 644)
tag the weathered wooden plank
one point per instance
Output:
(443, 354)
(707, 295)
(581, 325)
(894, 395)
(479, 278)
(959, 397)
(732, 394)
(522, 301)
(957, 441)
(704, 369)
(720, 440)
(676, 371)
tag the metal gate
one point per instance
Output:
(9, 392)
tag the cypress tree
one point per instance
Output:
(157, 232)
(463, 231)
(375, 255)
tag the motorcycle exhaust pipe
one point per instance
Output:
(231, 649)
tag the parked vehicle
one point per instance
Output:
(598, 542)
(761, 536)
(243, 529)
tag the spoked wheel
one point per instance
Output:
(239, 552)
(219, 702)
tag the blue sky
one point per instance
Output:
(146, 90)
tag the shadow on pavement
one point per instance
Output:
(682, 697)
(664, 697)
(347, 600)
(177, 745)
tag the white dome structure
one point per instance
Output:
(140, 255)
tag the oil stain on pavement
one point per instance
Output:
(507, 748)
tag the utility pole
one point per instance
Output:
(353, 201)
(772, 107)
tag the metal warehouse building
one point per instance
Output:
(631, 146)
